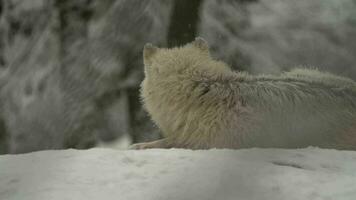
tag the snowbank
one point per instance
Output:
(179, 174)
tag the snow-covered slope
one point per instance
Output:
(179, 174)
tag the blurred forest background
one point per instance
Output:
(70, 70)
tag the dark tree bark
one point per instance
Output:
(184, 21)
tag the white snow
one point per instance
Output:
(258, 174)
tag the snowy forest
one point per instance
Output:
(71, 70)
(70, 76)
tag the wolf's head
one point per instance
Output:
(165, 62)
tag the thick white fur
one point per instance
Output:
(199, 103)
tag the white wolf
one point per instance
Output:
(200, 103)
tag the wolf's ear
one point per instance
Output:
(148, 51)
(201, 44)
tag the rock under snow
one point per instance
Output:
(179, 174)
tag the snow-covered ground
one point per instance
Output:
(266, 174)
